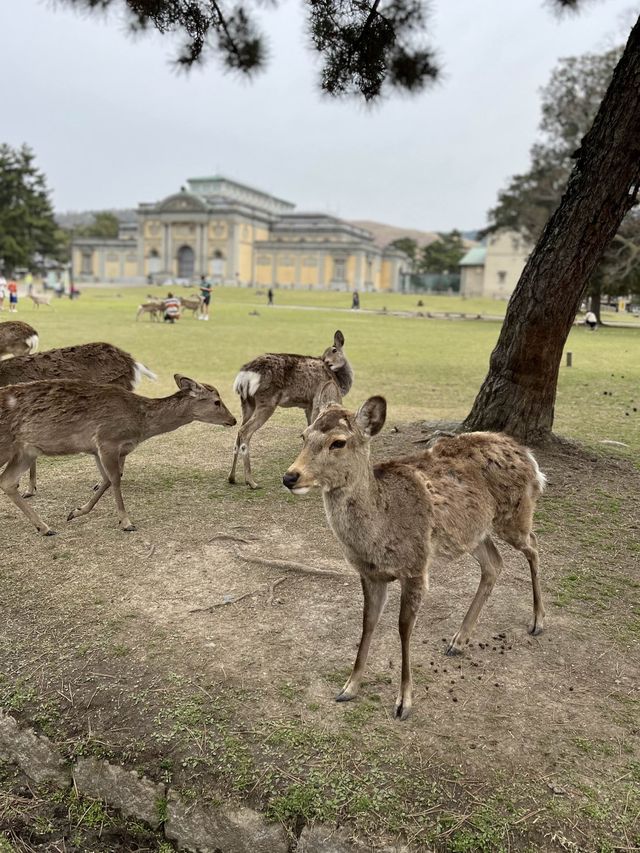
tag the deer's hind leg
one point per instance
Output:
(519, 534)
(10, 483)
(490, 562)
(98, 492)
(258, 418)
(33, 482)
(248, 408)
(113, 464)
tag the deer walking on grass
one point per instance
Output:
(290, 381)
(191, 303)
(40, 299)
(65, 418)
(153, 308)
(17, 338)
(394, 518)
(100, 363)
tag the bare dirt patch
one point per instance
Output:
(123, 646)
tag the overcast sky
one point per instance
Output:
(112, 124)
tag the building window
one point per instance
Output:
(502, 277)
(339, 269)
(310, 261)
(264, 260)
(86, 267)
(112, 256)
(286, 260)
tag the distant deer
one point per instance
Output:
(153, 308)
(394, 518)
(191, 303)
(64, 418)
(283, 379)
(100, 363)
(39, 299)
(17, 338)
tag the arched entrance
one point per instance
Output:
(154, 262)
(186, 262)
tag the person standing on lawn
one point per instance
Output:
(205, 297)
(12, 287)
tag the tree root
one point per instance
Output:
(225, 602)
(288, 566)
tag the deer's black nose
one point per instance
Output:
(290, 479)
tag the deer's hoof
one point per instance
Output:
(253, 485)
(402, 711)
(452, 650)
(28, 495)
(232, 479)
(46, 531)
(130, 528)
(345, 695)
(71, 515)
(535, 629)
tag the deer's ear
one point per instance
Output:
(338, 340)
(371, 415)
(186, 384)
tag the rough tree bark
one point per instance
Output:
(518, 394)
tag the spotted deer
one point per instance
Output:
(101, 363)
(39, 299)
(394, 518)
(65, 418)
(17, 338)
(289, 381)
(191, 303)
(153, 308)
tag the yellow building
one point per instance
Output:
(494, 269)
(235, 234)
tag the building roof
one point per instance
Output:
(475, 257)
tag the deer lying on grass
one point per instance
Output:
(153, 308)
(283, 379)
(64, 418)
(17, 338)
(395, 517)
(100, 363)
(40, 299)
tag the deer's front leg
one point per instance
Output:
(32, 482)
(375, 597)
(411, 599)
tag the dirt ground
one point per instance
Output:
(133, 646)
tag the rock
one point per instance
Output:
(35, 755)
(133, 795)
(206, 829)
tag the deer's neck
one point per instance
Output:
(166, 414)
(354, 511)
(344, 378)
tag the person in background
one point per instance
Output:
(591, 321)
(12, 287)
(28, 280)
(171, 308)
(205, 297)
(3, 291)
(270, 297)
(355, 301)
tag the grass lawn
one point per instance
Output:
(428, 369)
(171, 651)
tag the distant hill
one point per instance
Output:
(78, 218)
(384, 234)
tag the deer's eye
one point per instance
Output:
(337, 444)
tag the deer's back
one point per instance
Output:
(15, 331)
(294, 378)
(98, 362)
(68, 416)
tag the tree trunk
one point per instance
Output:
(518, 394)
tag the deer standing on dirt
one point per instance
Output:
(394, 518)
(290, 381)
(65, 418)
(153, 308)
(40, 299)
(100, 363)
(17, 338)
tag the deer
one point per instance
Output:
(101, 363)
(289, 381)
(191, 303)
(17, 338)
(153, 308)
(40, 299)
(68, 417)
(393, 519)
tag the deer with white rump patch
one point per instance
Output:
(100, 363)
(394, 518)
(291, 381)
(17, 338)
(64, 418)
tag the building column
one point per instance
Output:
(321, 261)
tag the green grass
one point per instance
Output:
(428, 369)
